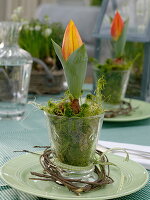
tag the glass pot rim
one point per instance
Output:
(112, 71)
(65, 117)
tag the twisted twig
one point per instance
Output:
(53, 173)
(124, 109)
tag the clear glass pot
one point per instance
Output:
(74, 142)
(15, 69)
(116, 84)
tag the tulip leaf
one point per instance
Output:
(58, 51)
(75, 68)
(119, 45)
(78, 56)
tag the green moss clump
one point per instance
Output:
(114, 65)
(116, 82)
(63, 108)
(68, 112)
(91, 107)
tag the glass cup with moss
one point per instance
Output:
(74, 142)
(116, 77)
(74, 135)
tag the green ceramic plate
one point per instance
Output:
(142, 111)
(16, 173)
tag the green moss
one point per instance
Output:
(74, 139)
(61, 108)
(115, 85)
(50, 103)
(89, 97)
(110, 65)
(68, 112)
(91, 107)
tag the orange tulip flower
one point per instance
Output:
(71, 40)
(117, 26)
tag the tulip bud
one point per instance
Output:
(117, 26)
(71, 40)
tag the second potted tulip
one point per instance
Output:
(116, 70)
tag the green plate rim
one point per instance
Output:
(76, 197)
(121, 119)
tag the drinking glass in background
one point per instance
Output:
(15, 69)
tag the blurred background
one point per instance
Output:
(85, 13)
(29, 7)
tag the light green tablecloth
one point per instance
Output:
(32, 131)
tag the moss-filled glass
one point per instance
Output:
(116, 84)
(74, 139)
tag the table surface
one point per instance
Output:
(32, 130)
